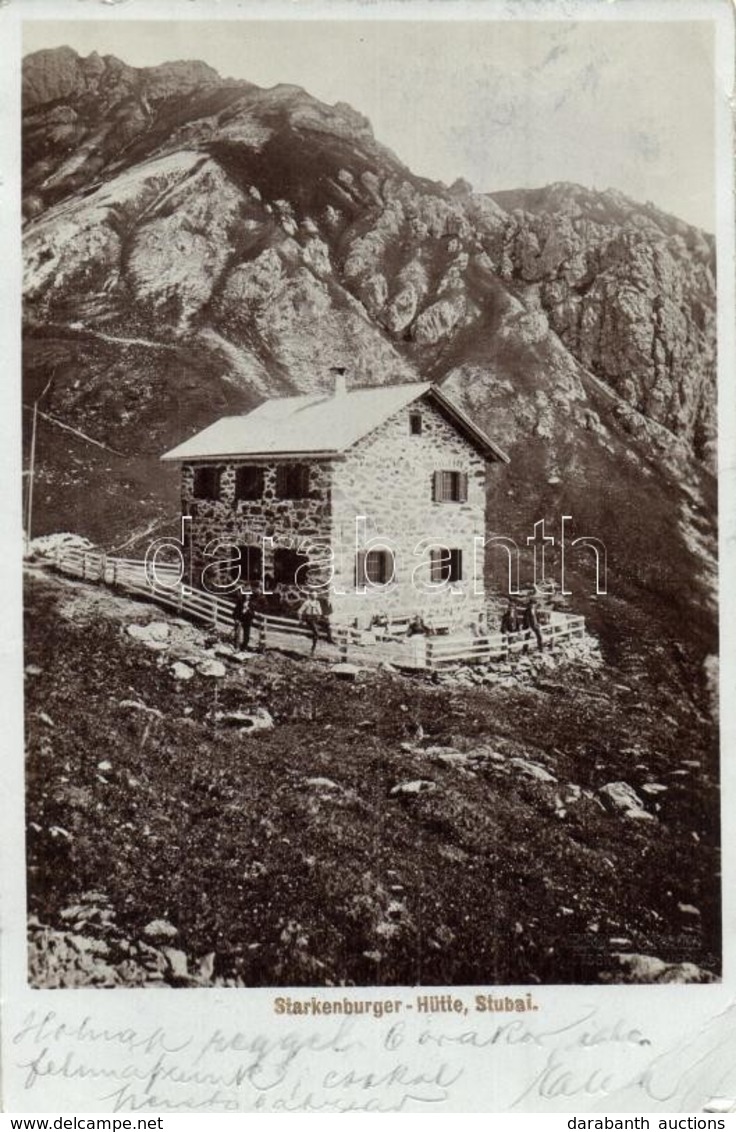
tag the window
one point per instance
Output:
(248, 483)
(450, 487)
(207, 482)
(292, 481)
(375, 568)
(250, 560)
(415, 424)
(287, 564)
(446, 565)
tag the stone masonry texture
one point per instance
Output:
(380, 495)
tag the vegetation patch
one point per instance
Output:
(288, 857)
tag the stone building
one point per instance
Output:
(375, 496)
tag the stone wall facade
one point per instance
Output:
(387, 479)
(381, 491)
(269, 522)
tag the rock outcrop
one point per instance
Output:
(629, 291)
(194, 245)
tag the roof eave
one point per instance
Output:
(191, 458)
(488, 447)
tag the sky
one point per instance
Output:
(503, 103)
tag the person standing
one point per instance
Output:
(510, 619)
(510, 625)
(310, 612)
(243, 614)
(531, 622)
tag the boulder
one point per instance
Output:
(154, 636)
(410, 789)
(256, 719)
(157, 630)
(83, 943)
(136, 705)
(181, 671)
(321, 784)
(533, 770)
(207, 966)
(160, 929)
(177, 962)
(620, 798)
(345, 671)
(95, 897)
(653, 788)
(214, 668)
(73, 912)
(448, 756)
(650, 969)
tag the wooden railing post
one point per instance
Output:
(344, 637)
(430, 653)
(263, 633)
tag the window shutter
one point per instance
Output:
(207, 482)
(435, 564)
(436, 487)
(456, 565)
(248, 483)
(360, 578)
(302, 481)
(462, 487)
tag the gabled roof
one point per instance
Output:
(319, 425)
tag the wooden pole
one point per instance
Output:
(31, 472)
(32, 468)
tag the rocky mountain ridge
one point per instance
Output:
(196, 244)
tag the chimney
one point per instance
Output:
(340, 383)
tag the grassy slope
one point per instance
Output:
(292, 884)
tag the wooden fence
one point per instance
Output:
(499, 646)
(272, 630)
(215, 611)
